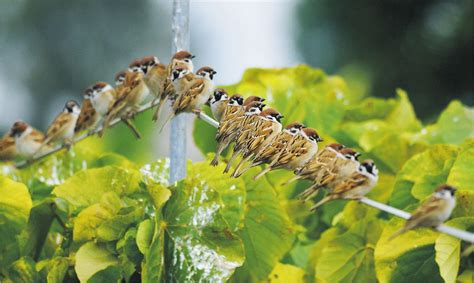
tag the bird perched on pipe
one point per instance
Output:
(183, 60)
(299, 150)
(62, 128)
(217, 102)
(355, 186)
(246, 126)
(28, 140)
(266, 128)
(433, 211)
(7, 147)
(342, 166)
(277, 146)
(193, 91)
(321, 161)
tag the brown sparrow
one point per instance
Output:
(28, 140)
(276, 147)
(7, 147)
(183, 60)
(301, 148)
(246, 127)
(432, 212)
(62, 128)
(156, 76)
(263, 132)
(193, 91)
(335, 172)
(130, 95)
(320, 161)
(88, 117)
(231, 122)
(218, 102)
(355, 186)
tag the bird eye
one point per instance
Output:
(186, 60)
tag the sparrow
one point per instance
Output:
(320, 161)
(193, 91)
(156, 76)
(62, 128)
(355, 186)
(298, 151)
(7, 147)
(183, 60)
(218, 102)
(88, 117)
(28, 140)
(332, 173)
(230, 124)
(262, 133)
(272, 151)
(433, 211)
(130, 95)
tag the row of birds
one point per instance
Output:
(255, 131)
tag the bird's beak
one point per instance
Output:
(319, 139)
(192, 57)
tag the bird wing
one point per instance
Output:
(297, 147)
(275, 147)
(353, 181)
(429, 207)
(37, 136)
(58, 125)
(262, 129)
(87, 116)
(189, 95)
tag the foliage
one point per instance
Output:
(97, 217)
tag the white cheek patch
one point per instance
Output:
(107, 88)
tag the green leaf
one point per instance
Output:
(415, 245)
(448, 249)
(87, 187)
(57, 269)
(417, 265)
(199, 243)
(267, 234)
(403, 116)
(15, 206)
(92, 258)
(286, 273)
(36, 232)
(145, 235)
(462, 178)
(422, 174)
(454, 125)
(109, 275)
(107, 220)
(23, 271)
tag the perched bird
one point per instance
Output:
(193, 92)
(263, 132)
(28, 140)
(334, 172)
(62, 128)
(298, 151)
(320, 161)
(183, 60)
(230, 124)
(156, 76)
(131, 93)
(276, 147)
(218, 102)
(355, 186)
(433, 211)
(88, 117)
(7, 147)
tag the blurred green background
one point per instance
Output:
(51, 50)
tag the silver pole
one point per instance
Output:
(180, 29)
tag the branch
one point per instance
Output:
(460, 234)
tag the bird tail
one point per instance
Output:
(323, 201)
(156, 115)
(133, 128)
(167, 121)
(251, 165)
(231, 160)
(263, 172)
(306, 194)
(398, 233)
(220, 148)
(238, 172)
(295, 178)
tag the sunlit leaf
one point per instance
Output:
(92, 258)
(283, 273)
